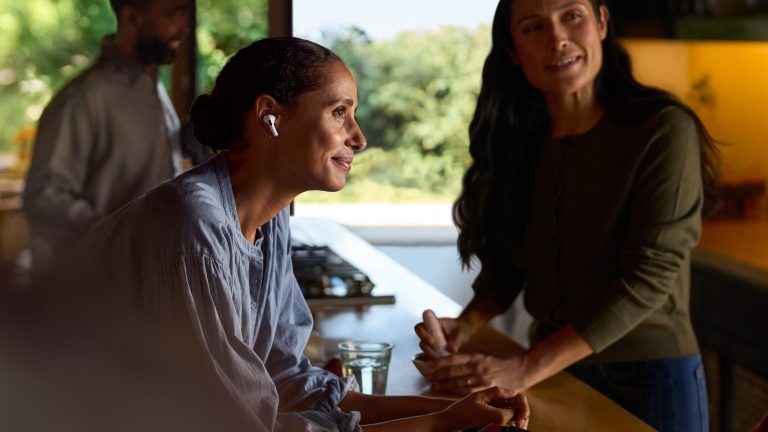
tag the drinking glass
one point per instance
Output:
(368, 361)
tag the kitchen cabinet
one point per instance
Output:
(753, 28)
(745, 20)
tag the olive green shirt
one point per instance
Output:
(613, 216)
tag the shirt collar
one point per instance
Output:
(122, 64)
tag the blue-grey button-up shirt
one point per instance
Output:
(178, 251)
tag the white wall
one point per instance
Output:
(421, 238)
(439, 266)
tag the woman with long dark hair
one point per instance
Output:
(586, 191)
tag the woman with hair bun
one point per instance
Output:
(208, 253)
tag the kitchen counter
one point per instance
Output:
(739, 247)
(729, 300)
(561, 403)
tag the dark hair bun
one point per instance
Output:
(283, 68)
(207, 122)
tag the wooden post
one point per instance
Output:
(183, 72)
(280, 18)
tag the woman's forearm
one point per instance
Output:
(424, 423)
(377, 409)
(553, 354)
(494, 405)
(480, 310)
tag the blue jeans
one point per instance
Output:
(668, 394)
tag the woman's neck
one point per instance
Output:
(573, 114)
(258, 197)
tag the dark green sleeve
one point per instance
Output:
(665, 224)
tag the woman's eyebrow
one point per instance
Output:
(345, 100)
(534, 16)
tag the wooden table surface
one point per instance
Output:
(560, 403)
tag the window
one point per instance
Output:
(418, 68)
(43, 45)
(223, 27)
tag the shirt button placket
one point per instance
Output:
(558, 190)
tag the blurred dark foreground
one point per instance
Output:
(76, 358)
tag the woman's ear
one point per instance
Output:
(268, 112)
(602, 22)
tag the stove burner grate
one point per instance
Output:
(322, 273)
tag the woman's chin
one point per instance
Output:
(335, 188)
(330, 186)
(336, 185)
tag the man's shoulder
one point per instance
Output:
(91, 84)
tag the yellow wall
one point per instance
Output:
(735, 109)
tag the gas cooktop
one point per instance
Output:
(328, 280)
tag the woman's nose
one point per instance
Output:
(356, 140)
(559, 38)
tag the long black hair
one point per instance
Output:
(511, 121)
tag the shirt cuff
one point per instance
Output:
(327, 410)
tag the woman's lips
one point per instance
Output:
(564, 64)
(343, 162)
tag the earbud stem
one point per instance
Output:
(269, 119)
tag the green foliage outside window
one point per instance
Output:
(417, 91)
(223, 27)
(46, 43)
(417, 95)
(43, 45)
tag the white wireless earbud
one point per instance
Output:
(269, 119)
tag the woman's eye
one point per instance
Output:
(572, 16)
(531, 28)
(340, 112)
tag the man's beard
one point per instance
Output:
(154, 51)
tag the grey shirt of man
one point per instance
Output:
(107, 137)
